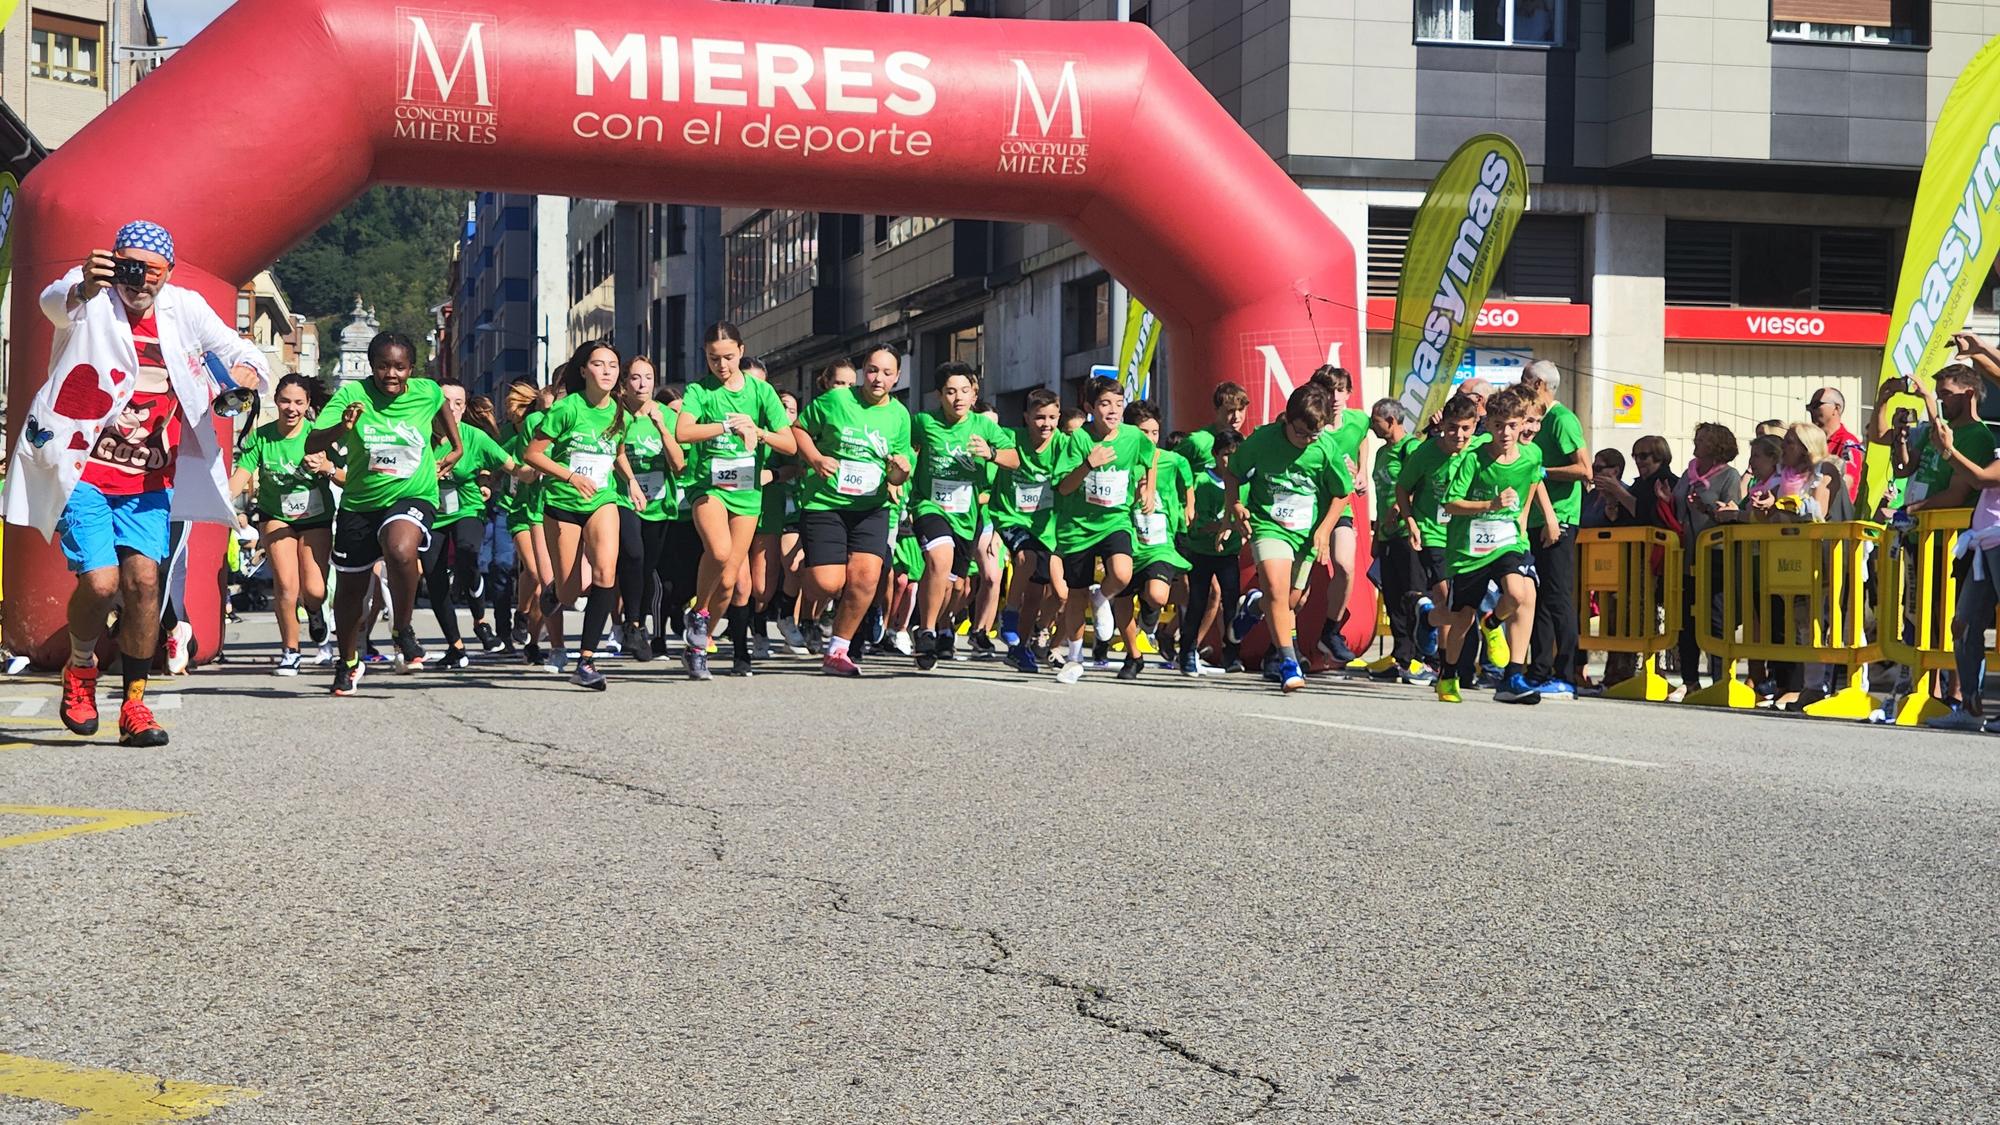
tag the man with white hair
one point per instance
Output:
(1566, 461)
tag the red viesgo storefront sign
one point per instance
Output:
(1501, 318)
(1778, 326)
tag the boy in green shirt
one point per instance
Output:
(1486, 544)
(1024, 510)
(1420, 485)
(1346, 429)
(1232, 405)
(1105, 474)
(1293, 474)
(951, 442)
(1212, 546)
(1157, 561)
(1396, 561)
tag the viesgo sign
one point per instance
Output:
(1500, 318)
(1778, 326)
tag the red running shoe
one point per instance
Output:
(137, 727)
(838, 664)
(79, 699)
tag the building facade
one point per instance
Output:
(510, 310)
(647, 278)
(1720, 197)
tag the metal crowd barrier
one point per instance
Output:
(1634, 577)
(1790, 592)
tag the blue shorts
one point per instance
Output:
(94, 527)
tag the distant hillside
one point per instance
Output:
(392, 246)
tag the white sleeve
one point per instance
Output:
(55, 300)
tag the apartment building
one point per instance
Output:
(647, 277)
(510, 305)
(1720, 195)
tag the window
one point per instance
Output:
(770, 259)
(1771, 265)
(676, 230)
(1500, 23)
(894, 230)
(1899, 23)
(1544, 262)
(66, 50)
(1086, 314)
(1620, 21)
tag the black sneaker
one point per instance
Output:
(346, 678)
(981, 645)
(316, 627)
(636, 646)
(1100, 652)
(488, 640)
(587, 675)
(741, 666)
(455, 658)
(947, 644)
(1131, 668)
(531, 653)
(927, 646)
(409, 654)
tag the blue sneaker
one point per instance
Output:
(1561, 690)
(1289, 676)
(1517, 689)
(1010, 627)
(1248, 614)
(1024, 659)
(1190, 663)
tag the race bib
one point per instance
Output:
(448, 502)
(595, 466)
(1294, 511)
(1106, 488)
(733, 472)
(1031, 497)
(954, 496)
(395, 460)
(1489, 536)
(1444, 517)
(301, 505)
(1152, 529)
(652, 486)
(858, 478)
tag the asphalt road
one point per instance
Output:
(972, 896)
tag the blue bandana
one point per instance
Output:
(142, 235)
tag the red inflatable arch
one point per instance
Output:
(1095, 127)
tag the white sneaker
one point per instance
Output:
(901, 642)
(325, 654)
(179, 643)
(1958, 720)
(1100, 605)
(288, 663)
(614, 643)
(17, 664)
(1071, 672)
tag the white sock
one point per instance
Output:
(1076, 652)
(837, 647)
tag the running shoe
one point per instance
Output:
(531, 653)
(614, 644)
(558, 662)
(1010, 627)
(838, 664)
(1071, 672)
(180, 648)
(1270, 668)
(947, 646)
(697, 663)
(1234, 667)
(1447, 690)
(1957, 720)
(487, 639)
(79, 699)
(981, 645)
(1132, 667)
(793, 636)
(587, 675)
(636, 645)
(409, 654)
(1104, 622)
(1334, 646)
(325, 654)
(1496, 645)
(1517, 689)
(1417, 673)
(872, 626)
(288, 663)
(1190, 662)
(742, 666)
(138, 727)
(1427, 633)
(374, 655)
(316, 627)
(1168, 647)
(1248, 614)
(816, 638)
(17, 664)
(927, 650)
(1100, 654)
(347, 678)
(1993, 725)
(901, 644)
(520, 636)
(455, 658)
(1561, 691)
(1290, 678)
(1024, 659)
(760, 647)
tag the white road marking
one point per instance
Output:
(1023, 687)
(31, 706)
(1445, 738)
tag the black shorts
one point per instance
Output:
(1158, 570)
(1080, 567)
(1430, 561)
(574, 519)
(931, 528)
(357, 536)
(1346, 520)
(1469, 590)
(832, 536)
(1020, 541)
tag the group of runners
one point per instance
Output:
(853, 525)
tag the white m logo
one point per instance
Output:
(1045, 112)
(1278, 385)
(423, 46)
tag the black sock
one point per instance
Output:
(596, 611)
(739, 629)
(1515, 670)
(136, 670)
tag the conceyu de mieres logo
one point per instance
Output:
(446, 80)
(1048, 124)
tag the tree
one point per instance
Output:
(392, 248)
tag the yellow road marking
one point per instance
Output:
(90, 820)
(112, 1097)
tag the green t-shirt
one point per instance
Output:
(1289, 486)
(583, 439)
(389, 455)
(1933, 471)
(1104, 502)
(1211, 517)
(523, 503)
(1388, 469)
(862, 438)
(646, 452)
(1026, 497)
(722, 466)
(1426, 471)
(1199, 449)
(948, 479)
(1472, 542)
(458, 492)
(287, 491)
(1347, 436)
(1559, 439)
(1155, 536)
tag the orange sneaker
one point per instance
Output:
(79, 699)
(138, 727)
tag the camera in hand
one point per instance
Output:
(1904, 417)
(129, 272)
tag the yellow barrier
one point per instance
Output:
(1615, 565)
(1925, 571)
(1791, 592)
